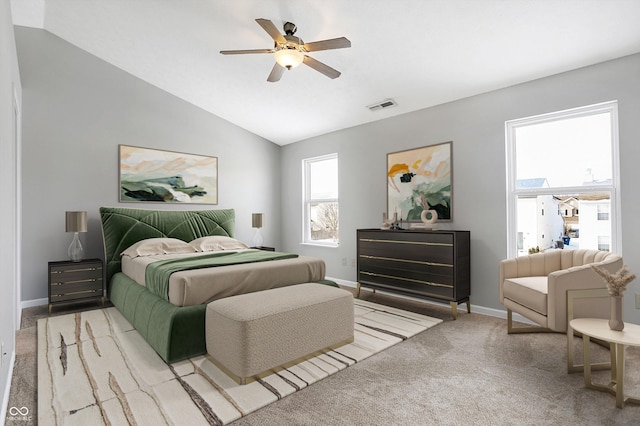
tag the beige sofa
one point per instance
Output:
(535, 286)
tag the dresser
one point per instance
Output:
(75, 281)
(434, 265)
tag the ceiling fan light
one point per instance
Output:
(289, 58)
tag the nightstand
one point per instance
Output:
(264, 248)
(75, 281)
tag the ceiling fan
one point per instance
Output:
(290, 51)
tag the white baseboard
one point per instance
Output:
(476, 309)
(35, 302)
(7, 389)
(492, 312)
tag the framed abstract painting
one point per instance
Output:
(154, 175)
(420, 179)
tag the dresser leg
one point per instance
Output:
(358, 291)
(49, 308)
(454, 310)
(468, 306)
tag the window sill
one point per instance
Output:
(328, 245)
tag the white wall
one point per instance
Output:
(10, 92)
(77, 109)
(476, 126)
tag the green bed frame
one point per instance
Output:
(175, 332)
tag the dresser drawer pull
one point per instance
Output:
(76, 270)
(371, 274)
(75, 292)
(423, 243)
(79, 281)
(364, 256)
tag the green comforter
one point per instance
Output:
(157, 273)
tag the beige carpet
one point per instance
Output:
(94, 368)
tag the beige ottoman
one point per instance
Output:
(255, 332)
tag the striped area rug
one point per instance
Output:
(94, 368)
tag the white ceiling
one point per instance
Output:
(419, 52)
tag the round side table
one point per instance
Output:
(599, 329)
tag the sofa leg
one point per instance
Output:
(515, 330)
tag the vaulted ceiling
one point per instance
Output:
(419, 53)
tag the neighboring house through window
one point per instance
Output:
(321, 212)
(565, 162)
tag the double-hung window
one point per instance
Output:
(563, 180)
(320, 217)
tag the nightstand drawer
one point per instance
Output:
(75, 271)
(78, 285)
(76, 292)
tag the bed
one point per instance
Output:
(173, 324)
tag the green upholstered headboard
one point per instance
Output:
(123, 227)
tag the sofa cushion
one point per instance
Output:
(530, 292)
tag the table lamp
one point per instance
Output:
(76, 222)
(256, 222)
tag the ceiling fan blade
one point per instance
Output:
(271, 29)
(276, 73)
(242, 52)
(334, 43)
(320, 67)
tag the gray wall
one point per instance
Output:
(9, 206)
(77, 109)
(476, 126)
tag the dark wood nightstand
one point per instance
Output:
(264, 248)
(75, 281)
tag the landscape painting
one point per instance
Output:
(153, 175)
(419, 179)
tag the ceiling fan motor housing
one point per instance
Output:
(289, 28)
(293, 42)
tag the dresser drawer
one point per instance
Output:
(433, 248)
(406, 284)
(428, 273)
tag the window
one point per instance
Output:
(568, 161)
(321, 218)
(603, 211)
(603, 242)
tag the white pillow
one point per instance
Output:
(155, 246)
(216, 243)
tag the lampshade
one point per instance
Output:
(256, 220)
(289, 58)
(76, 221)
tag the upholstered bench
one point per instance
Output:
(252, 333)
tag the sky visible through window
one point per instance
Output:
(324, 181)
(564, 151)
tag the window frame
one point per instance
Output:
(307, 201)
(513, 193)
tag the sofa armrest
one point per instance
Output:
(575, 278)
(508, 268)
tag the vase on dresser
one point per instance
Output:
(615, 315)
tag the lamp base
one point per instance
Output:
(76, 252)
(257, 238)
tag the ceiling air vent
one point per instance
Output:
(387, 103)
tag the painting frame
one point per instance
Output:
(420, 179)
(151, 175)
